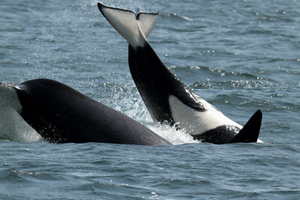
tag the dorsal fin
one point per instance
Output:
(250, 131)
(134, 28)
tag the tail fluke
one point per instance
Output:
(134, 28)
(250, 131)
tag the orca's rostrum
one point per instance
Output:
(165, 96)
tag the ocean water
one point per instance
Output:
(238, 55)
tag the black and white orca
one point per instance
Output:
(165, 96)
(61, 114)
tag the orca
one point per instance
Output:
(166, 97)
(61, 114)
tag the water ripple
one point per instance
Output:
(176, 16)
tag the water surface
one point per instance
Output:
(238, 55)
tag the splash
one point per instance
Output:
(176, 137)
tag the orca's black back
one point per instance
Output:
(62, 114)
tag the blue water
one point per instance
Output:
(238, 55)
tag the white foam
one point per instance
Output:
(172, 135)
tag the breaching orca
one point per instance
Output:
(165, 96)
(61, 114)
